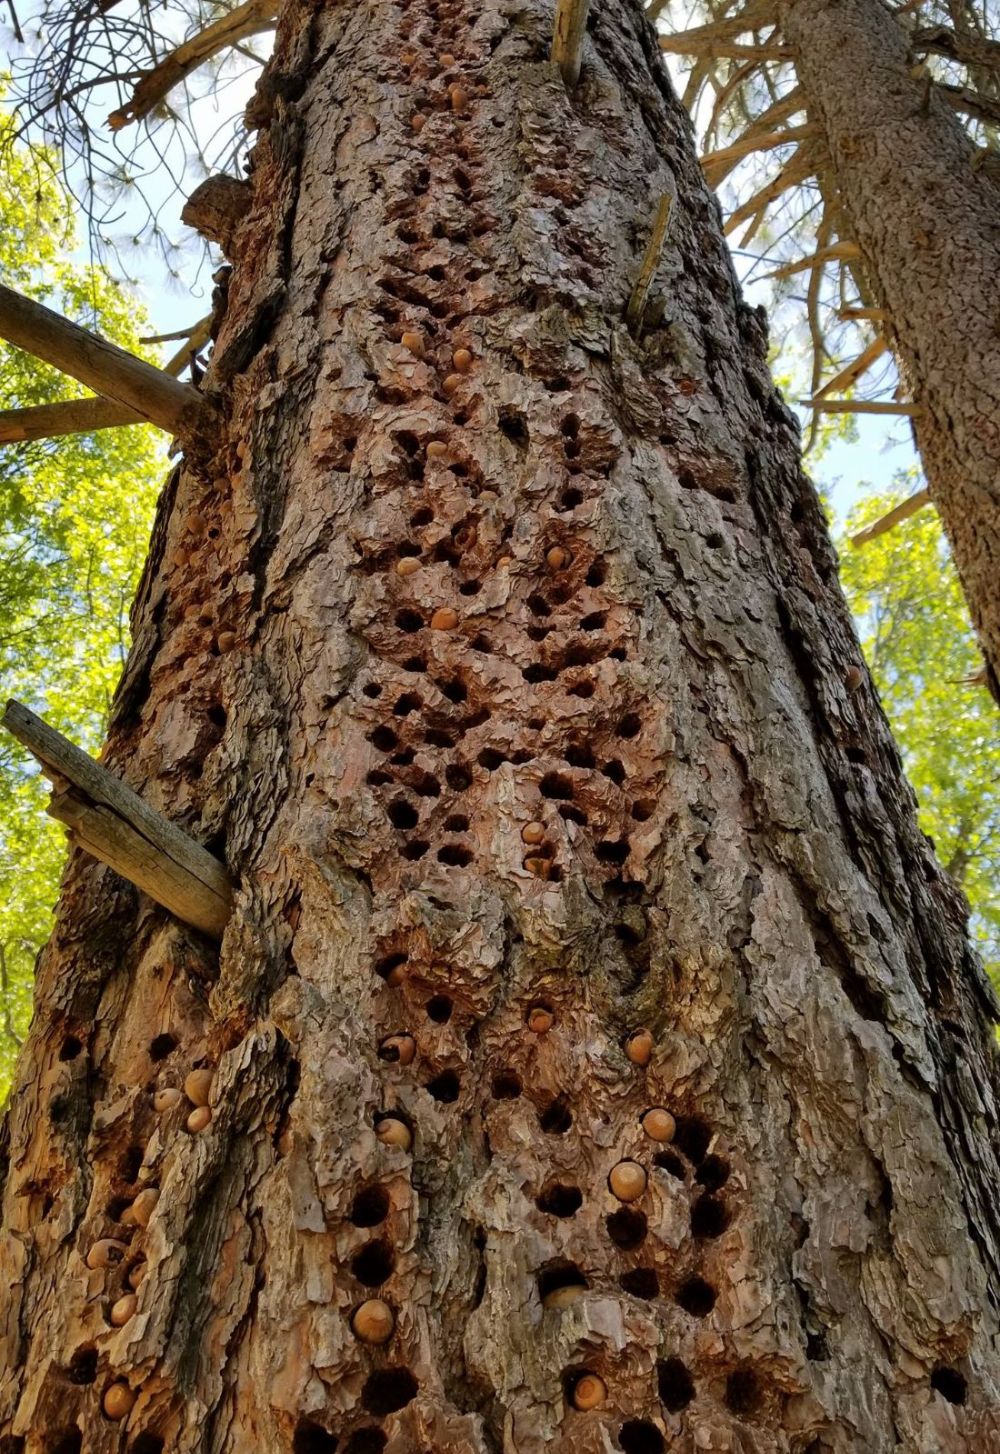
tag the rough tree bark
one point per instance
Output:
(927, 219)
(502, 655)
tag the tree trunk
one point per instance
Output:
(503, 657)
(927, 221)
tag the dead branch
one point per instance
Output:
(892, 518)
(718, 164)
(112, 823)
(848, 377)
(104, 367)
(568, 34)
(775, 115)
(856, 315)
(971, 103)
(861, 406)
(836, 252)
(798, 167)
(247, 19)
(650, 263)
(700, 39)
(970, 50)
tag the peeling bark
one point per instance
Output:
(503, 658)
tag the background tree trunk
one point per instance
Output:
(624, 627)
(927, 220)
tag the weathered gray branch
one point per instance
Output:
(113, 824)
(104, 367)
(568, 34)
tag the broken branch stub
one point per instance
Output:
(112, 823)
(568, 33)
(654, 251)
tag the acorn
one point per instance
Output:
(199, 1119)
(396, 976)
(123, 1309)
(540, 1019)
(141, 1210)
(444, 619)
(198, 1086)
(558, 557)
(563, 1297)
(459, 99)
(533, 832)
(659, 1124)
(451, 383)
(414, 342)
(166, 1099)
(504, 562)
(627, 1181)
(398, 1049)
(408, 566)
(136, 1274)
(225, 641)
(106, 1252)
(463, 360)
(589, 1392)
(447, 60)
(540, 867)
(418, 121)
(393, 1132)
(639, 1047)
(118, 1401)
(853, 678)
(436, 449)
(373, 1321)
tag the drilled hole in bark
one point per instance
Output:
(455, 854)
(538, 605)
(555, 785)
(569, 500)
(146, 1444)
(70, 1048)
(372, 689)
(560, 1200)
(558, 1275)
(627, 1228)
(582, 689)
(370, 1206)
(446, 552)
(950, 1384)
(558, 384)
(668, 1161)
(161, 1046)
(384, 739)
(481, 643)
(457, 823)
(455, 690)
(403, 814)
(640, 1282)
(82, 1367)
(630, 725)
(458, 777)
(612, 850)
(642, 810)
(404, 758)
(416, 848)
(556, 1118)
(414, 663)
(374, 1263)
(409, 621)
(387, 1390)
(506, 1086)
(437, 737)
(514, 426)
(445, 1087)
(407, 703)
(439, 1008)
(596, 621)
(388, 963)
(423, 516)
(597, 574)
(131, 1161)
(366, 1441)
(538, 672)
(618, 653)
(639, 1436)
(709, 1217)
(696, 1296)
(378, 779)
(713, 1172)
(744, 1392)
(693, 1136)
(615, 771)
(312, 1438)
(570, 425)
(470, 588)
(12, 1444)
(572, 814)
(426, 785)
(69, 1441)
(491, 758)
(674, 1384)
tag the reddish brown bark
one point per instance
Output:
(594, 765)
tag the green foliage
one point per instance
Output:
(905, 595)
(74, 522)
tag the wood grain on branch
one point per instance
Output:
(892, 518)
(650, 263)
(853, 371)
(246, 20)
(568, 34)
(113, 824)
(862, 406)
(118, 376)
(836, 252)
(717, 164)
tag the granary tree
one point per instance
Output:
(558, 1034)
(868, 134)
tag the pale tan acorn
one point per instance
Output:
(136, 1274)
(540, 1019)
(533, 832)
(557, 558)
(451, 383)
(436, 449)
(408, 566)
(198, 1086)
(398, 1049)
(373, 1321)
(639, 1047)
(413, 341)
(463, 360)
(444, 619)
(118, 1401)
(589, 1392)
(627, 1181)
(166, 1099)
(199, 1119)
(123, 1309)
(106, 1253)
(659, 1124)
(142, 1208)
(563, 1297)
(393, 1132)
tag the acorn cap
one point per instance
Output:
(118, 1401)
(589, 1392)
(627, 1181)
(199, 1119)
(639, 1047)
(198, 1086)
(393, 1132)
(373, 1321)
(659, 1124)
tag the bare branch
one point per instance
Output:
(861, 406)
(757, 15)
(247, 19)
(971, 103)
(70, 416)
(971, 50)
(104, 367)
(799, 166)
(568, 34)
(892, 518)
(856, 315)
(836, 252)
(849, 376)
(650, 263)
(718, 164)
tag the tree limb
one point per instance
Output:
(650, 263)
(118, 376)
(836, 252)
(861, 406)
(969, 49)
(701, 38)
(568, 34)
(247, 19)
(795, 170)
(718, 164)
(892, 518)
(849, 376)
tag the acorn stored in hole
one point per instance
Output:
(413, 341)
(463, 360)
(540, 1018)
(444, 619)
(225, 641)
(123, 1309)
(393, 1132)
(639, 1047)
(373, 1321)
(141, 1210)
(558, 557)
(136, 1274)
(418, 121)
(436, 449)
(166, 1099)
(589, 1392)
(446, 60)
(408, 566)
(199, 1119)
(853, 677)
(106, 1253)
(627, 1181)
(198, 1086)
(563, 1297)
(659, 1124)
(451, 383)
(458, 98)
(398, 1049)
(395, 976)
(533, 832)
(118, 1401)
